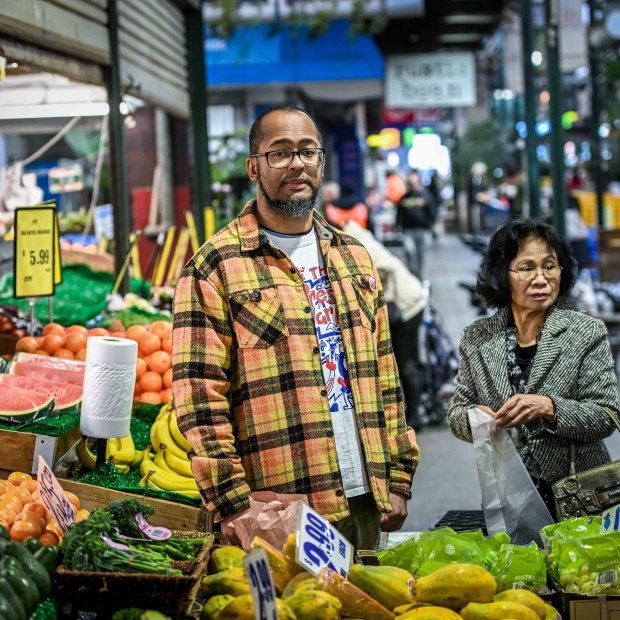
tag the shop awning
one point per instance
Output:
(262, 54)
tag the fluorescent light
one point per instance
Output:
(54, 110)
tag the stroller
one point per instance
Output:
(440, 363)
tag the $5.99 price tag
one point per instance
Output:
(34, 251)
(261, 585)
(320, 544)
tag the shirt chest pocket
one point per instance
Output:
(364, 289)
(258, 318)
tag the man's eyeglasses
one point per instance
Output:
(283, 159)
(527, 273)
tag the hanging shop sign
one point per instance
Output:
(66, 179)
(430, 80)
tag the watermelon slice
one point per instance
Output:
(55, 369)
(19, 406)
(67, 396)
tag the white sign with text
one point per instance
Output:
(53, 496)
(261, 585)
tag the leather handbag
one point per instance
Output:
(588, 492)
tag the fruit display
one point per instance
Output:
(169, 468)
(456, 591)
(23, 514)
(153, 367)
(121, 452)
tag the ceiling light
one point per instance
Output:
(468, 18)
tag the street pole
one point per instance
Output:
(119, 189)
(200, 167)
(552, 32)
(529, 96)
(595, 102)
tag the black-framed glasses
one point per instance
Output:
(284, 158)
(528, 273)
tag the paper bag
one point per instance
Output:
(272, 516)
(510, 500)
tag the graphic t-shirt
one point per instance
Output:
(305, 254)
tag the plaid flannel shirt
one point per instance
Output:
(247, 379)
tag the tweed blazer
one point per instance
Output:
(573, 366)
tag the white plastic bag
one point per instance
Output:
(510, 500)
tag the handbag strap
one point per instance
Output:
(572, 453)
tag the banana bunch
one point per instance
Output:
(169, 469)
(121, 452)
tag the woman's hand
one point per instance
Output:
(523, 408)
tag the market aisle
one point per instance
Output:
(446, 478)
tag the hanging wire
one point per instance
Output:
(50, 143)
(103, 140)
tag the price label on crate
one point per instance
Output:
(320, 544)
(34, 251)
(53, 496)
(261, 585)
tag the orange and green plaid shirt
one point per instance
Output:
(247, 379)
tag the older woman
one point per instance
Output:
(538, 368)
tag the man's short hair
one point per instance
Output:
(256, 134)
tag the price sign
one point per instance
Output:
(320, 544)
(261, 585)
(53, 496)
(610, 520)
(34, 251)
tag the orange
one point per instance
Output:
(17, 477)
(7, 515)
(159, 362)
(141, 367)
(135, 332)
(161, 329)
(118, 334)
(75, 341)
(98, 331)
(77, 329)
(81, 354)
(33, 517)
(37, 508)
(65, 353)
(11, 501)
(49, 538)
(167, 378)
(152, 398)
(53, 341)
(22, 494)
(166, 344)
(81, 514)
(20, 530)
(150, 382)
(148, 343)
(73, 499)
(137, 390)
(53, 327)
(27, 344)
(41, 352)
(31, 485)
(165, 395)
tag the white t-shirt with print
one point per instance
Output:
(305, 254)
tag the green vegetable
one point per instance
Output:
(21, 583)
(132, 613)
(31, 567)
(7, 592)
(4, 533)
(6, 613)
(46, 556)
(32, 544)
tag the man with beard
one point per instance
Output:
(284, 377)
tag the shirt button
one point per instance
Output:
(293, 270)
(330, 433)
(256, 295)
(307, 309)
(323, 392)
(339, 492)
(315, 350)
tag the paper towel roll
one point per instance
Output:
(109, 382)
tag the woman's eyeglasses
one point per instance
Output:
(527, 273)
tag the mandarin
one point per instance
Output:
(159, 362)
(150, 381)
(135, 332)
(148, 343)
(27, 344)
(65, 354)
(53, 341)
(167, 378)
(161, 329)
(75, 341)
(151, 398)
(53, 327)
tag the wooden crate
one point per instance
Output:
(20, 450)
(167, 514)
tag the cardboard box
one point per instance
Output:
(167, 514)
(582, 607)
(20, 450)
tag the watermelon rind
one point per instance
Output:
(64, 394)
(19, 407)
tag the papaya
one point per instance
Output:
(223, 558)
(403, 609)
(355, 602)
(315, 605)
(525, 597)
(498, 610)
(430, 612)
(282, 569)
(455, 585)
(242, 608)
(299, 583)
(552, 613)
(389, 585)
(212, 608)
(232, 581)
(290, 546)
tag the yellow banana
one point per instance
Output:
(126, 451)
(111, 448)
(147, 481)
(160, 461)
(182, 467)
(85, 456)
(161, 438)
(167, 480)
(176, 434)
(137, 459)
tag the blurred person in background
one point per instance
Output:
(543, 371)
(414, 216)
(477, 194)
(338, 210)
(395, 187)
(405, 301)
(435, 187)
